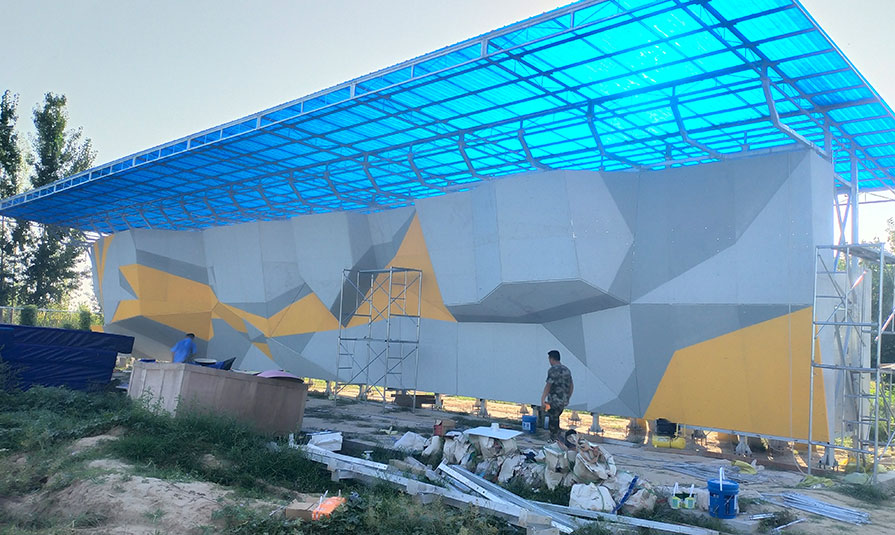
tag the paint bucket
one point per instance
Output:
(529, 423)
(723, 498)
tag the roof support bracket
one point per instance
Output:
(461, 145)
(775, 115)
(603, 153)
(369, 175)
(419, 174)
(687, 139)
(531, 159)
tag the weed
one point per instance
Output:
(41, 417)
(12, 524)
(379, 512)
(594, 528)
(745, 504)
(52, 468)
(559, 495)
(155, 515)
(167, 446)
(90, 519)
(661, 513)
(780, 518)
(865, 493)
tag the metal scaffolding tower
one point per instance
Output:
(859, 387)
(379, 330)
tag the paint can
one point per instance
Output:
(529, 423)
(723, 498)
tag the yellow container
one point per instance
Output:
(677, 443)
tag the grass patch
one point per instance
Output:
(662, 513)
(243, 458)
(558, 496)
(780, 518)
(865, 493)
(378, 511)
(42, 417)
(52, 468)
(595, 528)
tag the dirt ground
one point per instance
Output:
(113, 501)
(368, 422)
(124, 503)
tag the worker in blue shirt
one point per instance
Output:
(184, 349)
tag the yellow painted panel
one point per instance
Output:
(259, 322)
(306, 315)
(157, 285)
(100, 250)
(264, 348)
(413, 253)
(177, 302)
(754, 379)
(224, 312)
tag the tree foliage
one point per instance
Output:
(50, 270)
(887, 341)
(12, 232)
(38, 263)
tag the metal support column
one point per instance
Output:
(842, 317)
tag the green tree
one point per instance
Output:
(12, 231)
(887, 345)
(52, 251)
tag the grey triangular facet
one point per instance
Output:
(623, 189)
(125, 285)
(255, 335)
(621, 284)
(173, 266)
(285, 299)
(570, 332)
(727, 196)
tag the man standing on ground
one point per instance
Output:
(184, 349)
(557, 391)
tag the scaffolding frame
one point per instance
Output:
(390, 302)
(843, 281)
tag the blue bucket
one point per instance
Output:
(723, 498)
(529, 424)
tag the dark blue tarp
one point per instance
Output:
(61, 357)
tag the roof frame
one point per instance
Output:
(552, 92)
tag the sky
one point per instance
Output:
(141, 73)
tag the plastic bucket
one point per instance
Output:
(723, 498)
(529, 423)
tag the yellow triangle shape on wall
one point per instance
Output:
(413, 254)
(755, 379)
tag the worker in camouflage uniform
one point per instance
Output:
(557, 391)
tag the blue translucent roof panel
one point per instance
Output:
(600, 84)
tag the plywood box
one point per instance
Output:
(268, 404)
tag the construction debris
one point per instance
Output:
(811, 505)
(327, 440)
(457, 486)
(631, 521)
(411, 442)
